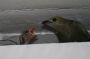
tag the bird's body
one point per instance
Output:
(68, 30)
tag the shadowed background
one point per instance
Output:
(17, 15)
(16, 21)
(28, 4)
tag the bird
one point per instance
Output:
(67, 30)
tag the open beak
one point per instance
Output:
(46, 25)
(46, 22)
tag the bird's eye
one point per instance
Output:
(54, 19)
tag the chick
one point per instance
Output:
(67, 30)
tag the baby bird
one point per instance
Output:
(67, 30)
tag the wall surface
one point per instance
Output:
(47, 51)
(22, 4)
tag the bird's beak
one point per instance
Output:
(46, 22)
(47, 25)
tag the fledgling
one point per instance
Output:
(67, 30)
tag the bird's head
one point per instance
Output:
(54, 23)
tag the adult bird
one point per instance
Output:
(67, 30)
